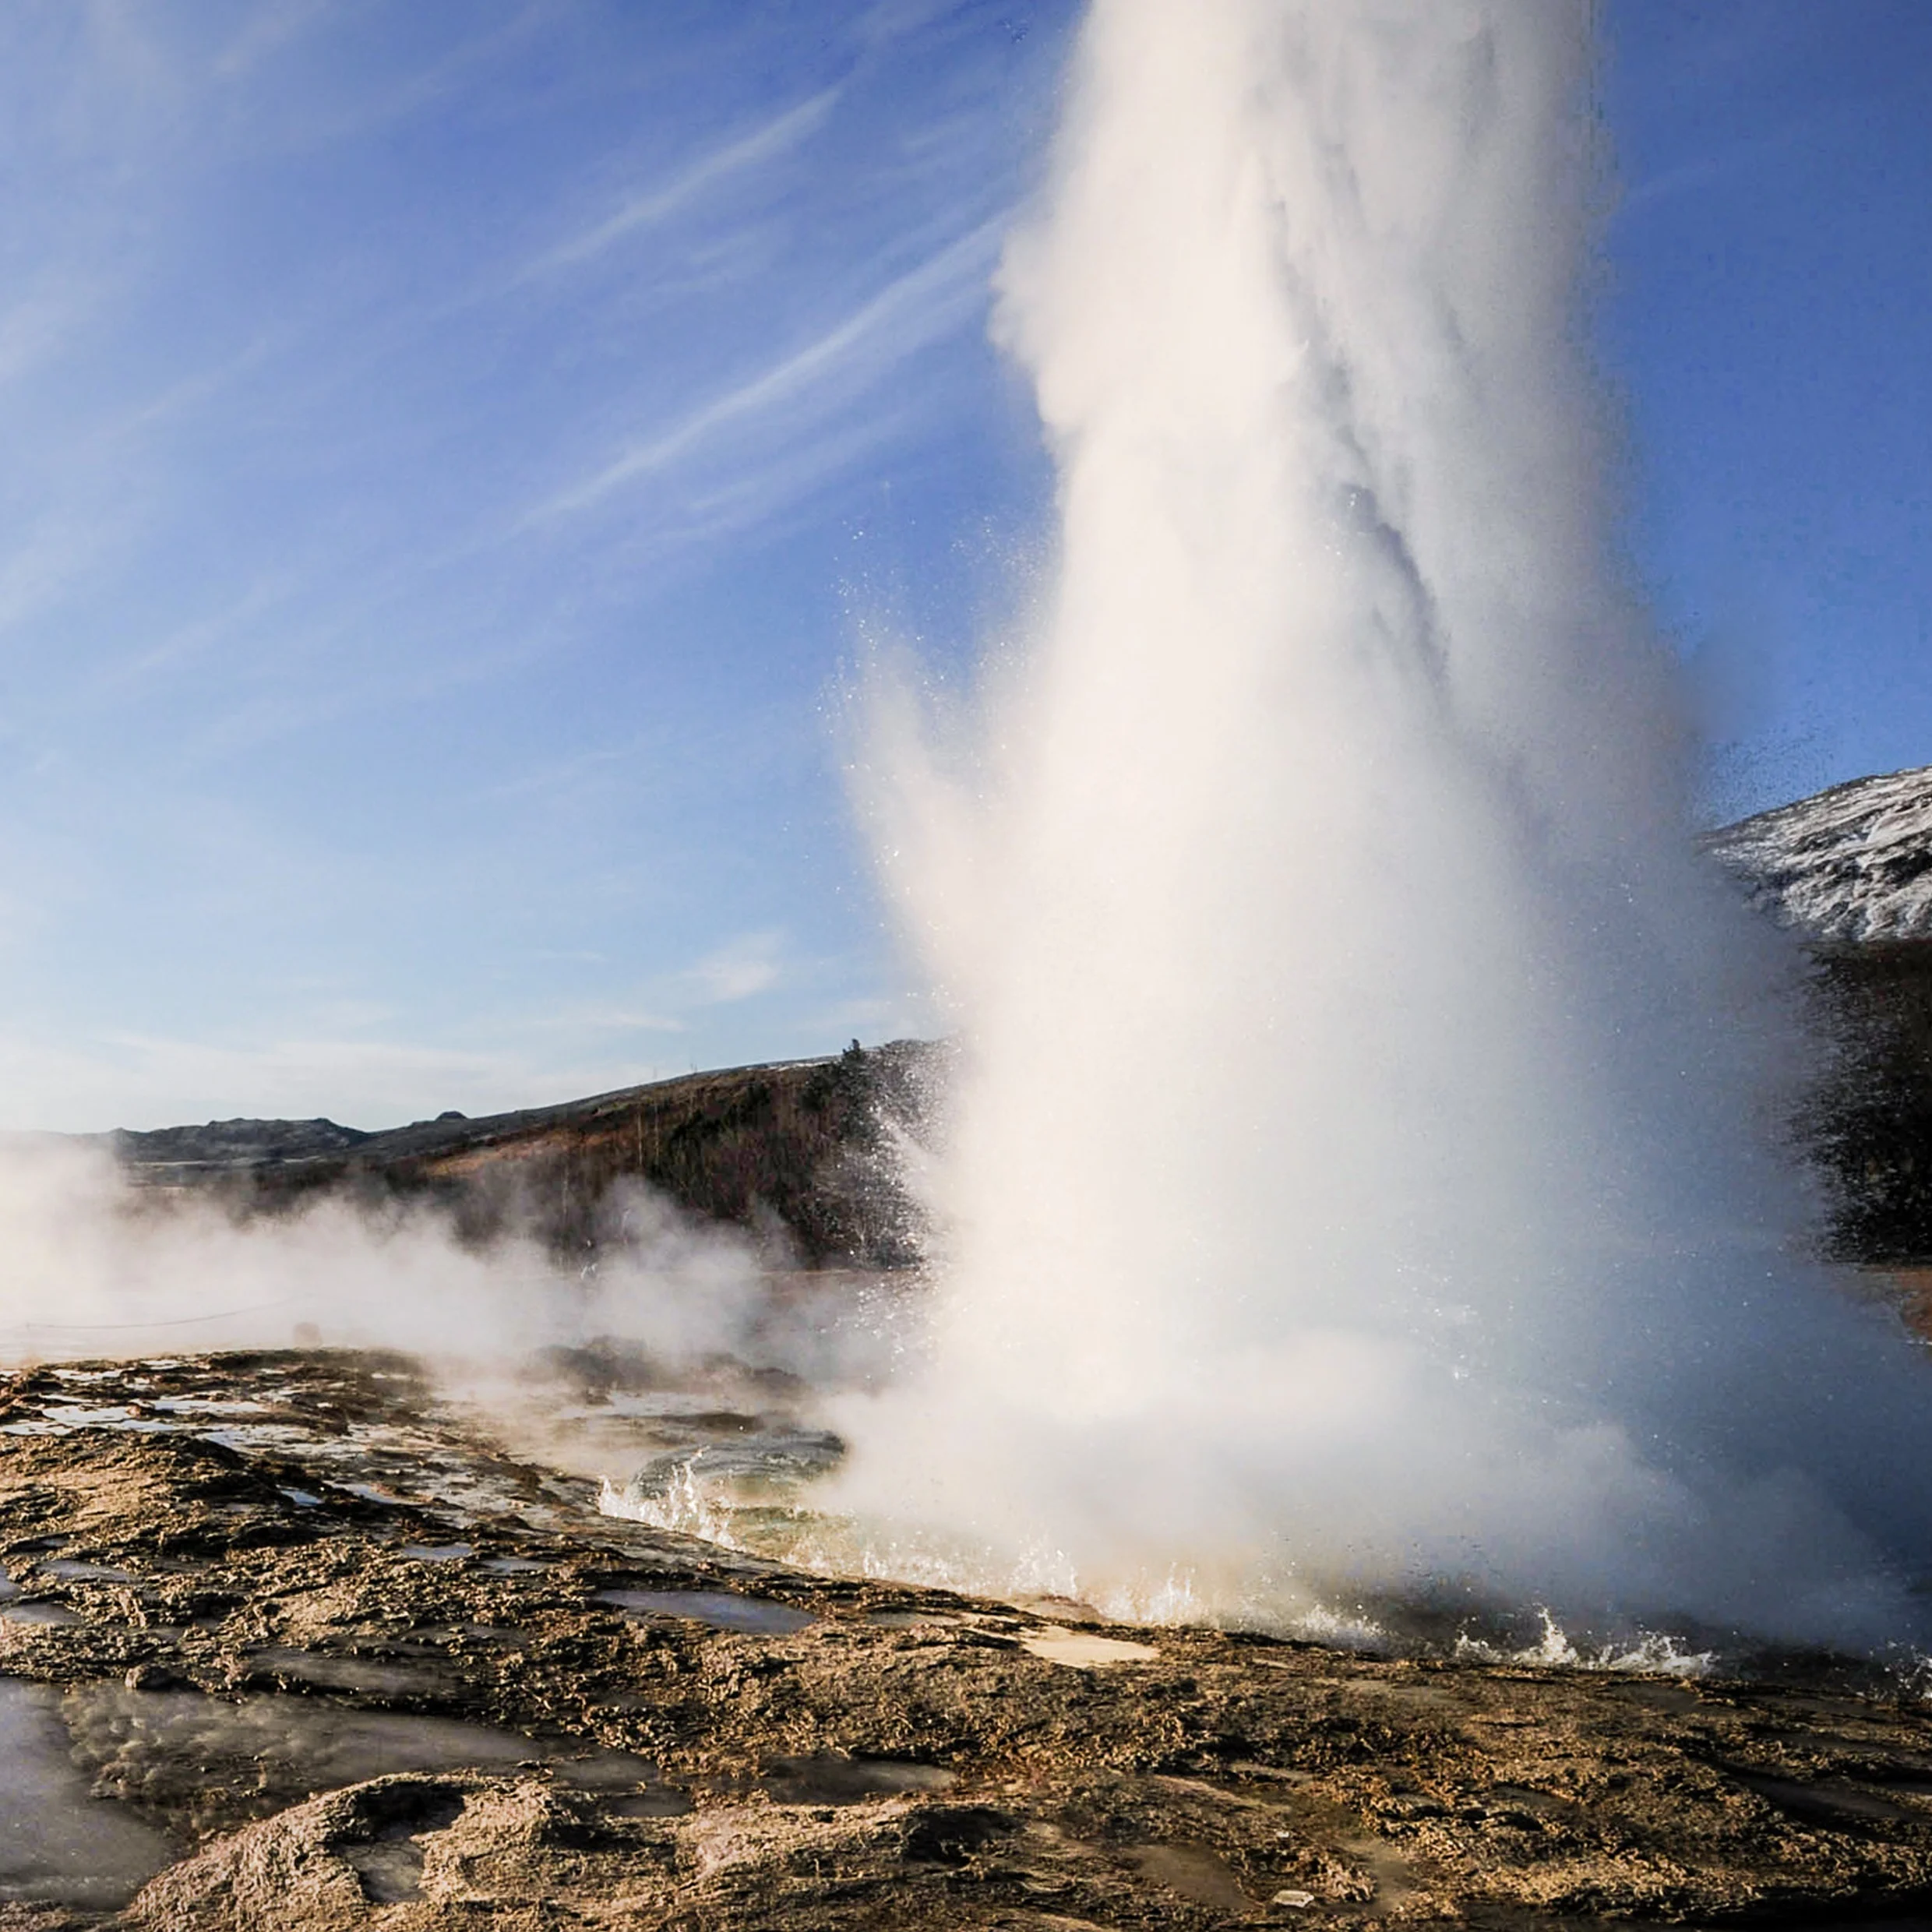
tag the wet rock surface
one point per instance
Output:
(328, 1653)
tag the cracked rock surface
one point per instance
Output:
(289, 1642)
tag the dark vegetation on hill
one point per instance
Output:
(800, 1153)
(1870, 1130)
(1849, 870)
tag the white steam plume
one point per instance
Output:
(91, 1266)
(1355, 1181)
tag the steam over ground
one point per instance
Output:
(1356, 1183)
(92, 1266)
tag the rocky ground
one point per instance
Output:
(290, 1640)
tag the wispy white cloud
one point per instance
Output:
(564, 777)
(135, 1080)
(38, 324)
(339, 1061)
(764, 143)
(755, 492)
(752, 963)
(1720, 164)
(918, 308)
(888, 20)
(50, 556)
(182, 644)
(608, 1018)
(471, 56)
(747, 966)
(269, 29)
(877, 1018)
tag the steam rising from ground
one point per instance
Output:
(1354, 1183)
(92, 1266)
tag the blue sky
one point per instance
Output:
(452, 456)
(1768, 324)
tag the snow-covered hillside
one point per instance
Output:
(1852, 863)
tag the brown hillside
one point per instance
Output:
(796, 1151)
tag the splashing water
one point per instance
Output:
(1354, 1181)
(1650, 1655)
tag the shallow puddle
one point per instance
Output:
(13, 1612)
(372, 1676)
(660, 1801)
(1659, 1693)
(1821, 1804)
(182, 1751)
(375, 1493)
(780, 1455)
(65, 1416)
(57, 1844)
(208, 1405)
(384, 1854)
(1196, 1872)
(830, 1779)
(734, 1477)
(603, 1771)
(722, 1609)
(390, 1869)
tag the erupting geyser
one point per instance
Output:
(1355, 1181)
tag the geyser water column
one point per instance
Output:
(1351, 1180)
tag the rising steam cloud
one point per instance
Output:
(1356, 1181)
(91, 1265)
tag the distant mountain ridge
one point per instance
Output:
(228, 1144)
(1852, 864)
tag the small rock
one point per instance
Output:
(1296, 1898)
